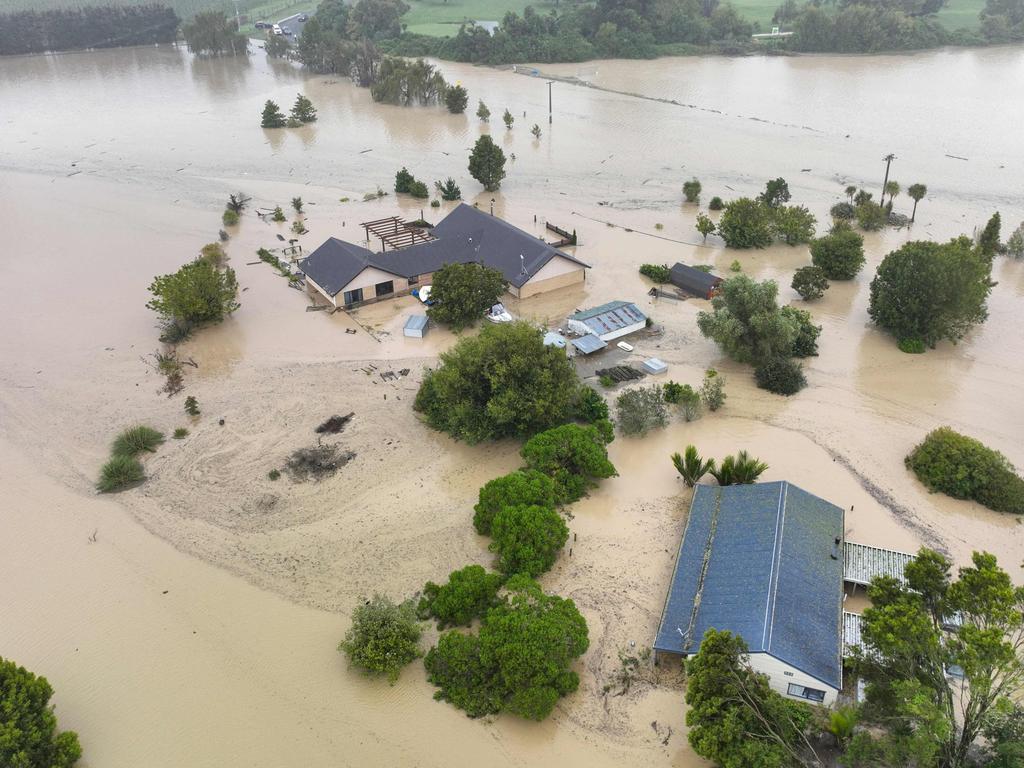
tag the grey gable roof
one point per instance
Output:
(333, 265)
(465, 235)
(770, 576)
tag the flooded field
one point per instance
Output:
(114, 168)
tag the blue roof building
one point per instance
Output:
(764, 561)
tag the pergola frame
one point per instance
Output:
(394, 232)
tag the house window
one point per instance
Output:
(383, 289)
(414, 280)
(803, 692)
(353, 297)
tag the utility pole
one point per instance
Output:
(550, 83)
(888, 161)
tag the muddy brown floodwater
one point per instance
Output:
(193, 621)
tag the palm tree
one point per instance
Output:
(892, 189)
(747, 469)
(692, 468)
(851, 191)
(725, 474)
(916, 191)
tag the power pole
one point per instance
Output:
(550, 83)
(888, 161)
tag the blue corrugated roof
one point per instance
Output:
(757, 560)
(589, 343)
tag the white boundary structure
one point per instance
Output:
(862, 563)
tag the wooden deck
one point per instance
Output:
(862, 563)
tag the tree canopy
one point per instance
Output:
(527, 539)
(931, 291)
(502, 383)
(463, 292)
(213, 33)
(383, 638)
(456, 99)
(197, 293)
(735, 719)
(964, 468)
(28, 726)
(910, 646)
(810, 282)
(839, 254)
(746, 223)
(518, 662)
(468, 594)
(747, 323)
(526, 487)
(487, 163)
(574, 456)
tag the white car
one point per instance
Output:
(276, 29)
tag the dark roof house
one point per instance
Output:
(693, 280)
(764, 561)
(466, 235)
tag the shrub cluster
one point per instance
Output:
(124, 468)
(659, 273)
(410, 185)
(964, 468)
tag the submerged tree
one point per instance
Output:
(303, 110)
(383, 638)
(575, 457)
(508, 119)
(197, 293)
(989, 239)
(917, 193)
(487, 163)
(448, 190)
(931, 291)
(456, 99)
(483, 112)
(691, 190)
(212, 32)
(463, 292)
(810, 283)
(705, 226)
(746, 223)
(28, 726)
(272, 116)
(776, 192)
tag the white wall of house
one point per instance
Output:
(369, 277)
(313, 287)
(557, 273)
(781, 675)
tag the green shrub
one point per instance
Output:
(191, 406)
(964, 468)
(419, 189)
(735, 266)
(839, 255)
(435, 203)
(716, 204)
(691, 190)
(525, 487)
(912, 346)
(229, 218)
(120, 472)
(402, 180)
(843, 211)
(606, 381)
(28, 726)
(136, 440)
(659, 273)
(383, 638)
(274, 474)
(746, 223)
(469, 593)
(781, 375)
(527, 539)
(574, 456)
(197, 293)
(810, 283)
(640, 409)
(590, 406)
(871, 216)
(180, 433)
(673, 391)
(278, 214)
(712, 390)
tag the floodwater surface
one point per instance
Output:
(114, 167)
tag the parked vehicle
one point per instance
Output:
(276, 29)
(303, 17)
(498, 314)
(262, 25)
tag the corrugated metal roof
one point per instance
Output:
(693, 280)
(589, 343)
(761, 561)
(610, 317)
(862, 563)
